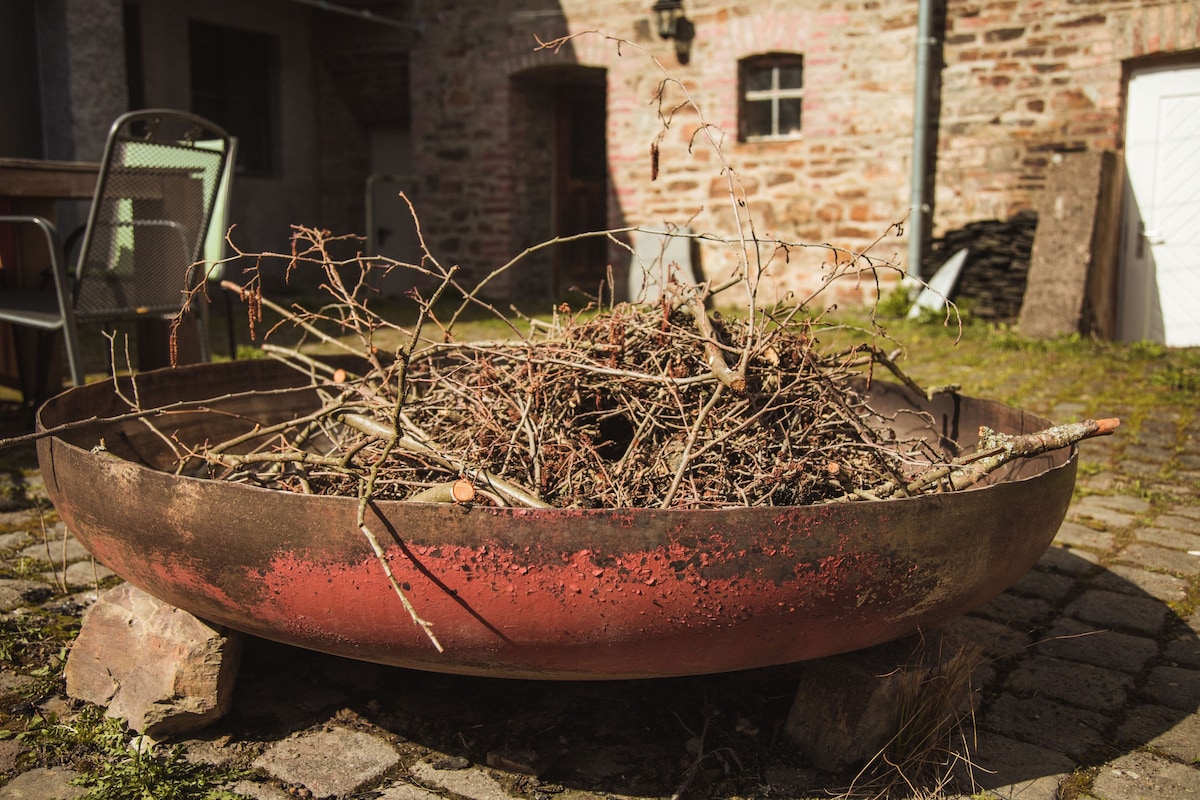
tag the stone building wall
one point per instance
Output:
(844, 183)
(1020, 80)
(83, 81)
(1025, 79)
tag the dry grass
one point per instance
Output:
(935, 726)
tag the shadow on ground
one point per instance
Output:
(1059, 691)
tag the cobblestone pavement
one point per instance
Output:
(1091, 687)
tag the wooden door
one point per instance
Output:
(580, 186)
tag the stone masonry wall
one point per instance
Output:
(1026, 79)
(1023, 80)
(844, 183)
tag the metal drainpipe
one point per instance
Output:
(920, 209)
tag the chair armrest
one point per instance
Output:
(50, 232)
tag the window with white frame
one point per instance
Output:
(771, 91)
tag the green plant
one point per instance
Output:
(247, 352)
(34, 637)
(26, 568)
(1077, 785)
(1178, 378)
(117, 764)
(895, 303)
(135, 769)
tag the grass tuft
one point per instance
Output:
(935, 726)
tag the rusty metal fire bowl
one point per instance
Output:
(536, 593)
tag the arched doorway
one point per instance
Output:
(562, 176)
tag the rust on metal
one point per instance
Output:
(537, 593)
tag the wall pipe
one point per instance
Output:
(920, 208)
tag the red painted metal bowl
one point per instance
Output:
(551, 594)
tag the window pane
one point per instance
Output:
(791, 76)
(758, 79)
(789, 116)
(771, 88)
(758, 118)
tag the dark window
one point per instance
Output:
(771, 89)
(235, 78)
(134, 79)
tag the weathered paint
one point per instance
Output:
(555, 594)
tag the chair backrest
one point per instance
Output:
(158, 184)
(215, 245)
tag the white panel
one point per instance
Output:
(1160, 298)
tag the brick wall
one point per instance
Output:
(1026, 79)
(1023, 79)
(844, 183)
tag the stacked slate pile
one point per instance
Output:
(992, 283)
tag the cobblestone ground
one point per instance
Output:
(1091, 687)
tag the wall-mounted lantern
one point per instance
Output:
(672, 24)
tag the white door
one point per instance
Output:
(1160, 271)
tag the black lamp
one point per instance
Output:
(667, 14)
(672, 24)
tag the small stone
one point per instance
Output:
(43, 783)
(475, 784)
(10, 751)
(1005, 767)
(57, 552)
(1049, 586)
(1077, 683)
(1175, 687)
(1169, 538)
(84, 574)
(15, 593)
(848, 707)
(1136, 582)
(406, 791)
(13, 540)
(1139, 774)
(520, 762)
(1077, 641)
(157, 667)
(1183, 650)
(1069, 731)
(1144, 615)
(329, 763)
(1068, 560)
(1072, 534)
(1170, 560)
(451, 763)
(1169, 731)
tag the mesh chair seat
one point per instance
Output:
(146, 228)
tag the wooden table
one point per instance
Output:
(32, 187)
(28, 178)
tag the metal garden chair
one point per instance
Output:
(145, 234)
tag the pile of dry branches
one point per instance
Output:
(620, 409)
(665, 404)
